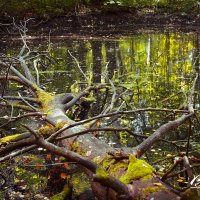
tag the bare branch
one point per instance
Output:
(14, 119)
(13, 78)
(13, 98)
(22, 77)
(81, 94)
(186, 164)
(14, 105)
(17, 153)
(146, 144)
(116, 185)
(114, 114)
(86, 78)
(27, 103)
(36, 70)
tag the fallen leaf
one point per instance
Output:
(63, 175)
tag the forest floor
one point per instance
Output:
(106, 23)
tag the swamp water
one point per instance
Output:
(148, 70)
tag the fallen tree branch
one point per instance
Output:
(81, 94)
(14, 78)
(113, 114)
(16, 98)
(99, 173)
(14, 119)
(146, 144)
(19, 106)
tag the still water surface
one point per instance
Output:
(151, 69)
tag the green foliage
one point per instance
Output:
(38, 7)
(47, 8)
(177, 5)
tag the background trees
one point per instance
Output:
(57, 7)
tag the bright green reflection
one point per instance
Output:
(152, 66)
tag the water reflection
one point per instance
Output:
(154, 69)
(161, 62)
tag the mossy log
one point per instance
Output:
(114, 164)
(137, 174)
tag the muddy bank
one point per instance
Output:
(104, 23)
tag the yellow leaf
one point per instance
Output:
(169, 155)
(180, 180)
(98, 124)
(61, 158)
(17, 169)
(157, 184)
(35, 176)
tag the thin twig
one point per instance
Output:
(36, 70)
(5, 82)
(86, 78)
(27, 103)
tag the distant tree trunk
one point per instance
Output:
(97, 61)
(96, 76)
(110, 54)
(196, 53)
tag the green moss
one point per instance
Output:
(191, 194)
(137, 169)
(62, 195)
(44, 98)
(33, 180)
(101, 173)
(60, 125)
(153, 189)
(123, 137)
(9, 139)
(88, 99)
(80, 183)
(96, 159)
(76, 147)
(46, 130)
(107, 162)
(147, 177)
(111, 166)
(118, 166)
